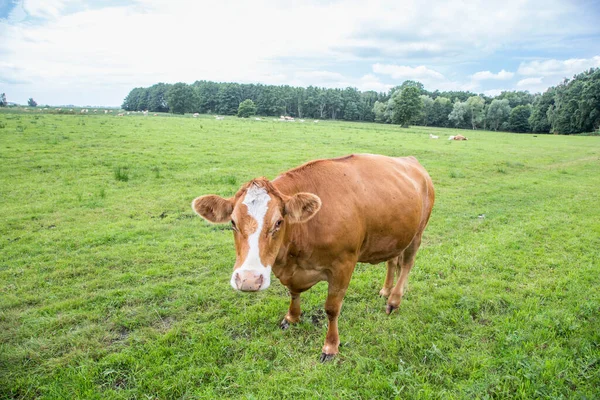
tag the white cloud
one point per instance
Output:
(562, 68)
(69, 51)
(44, 8)
(493, 92)
(403, 72)
(535, 84)
(485, 75)
(430, 78)
(529, 82)
(372, 82)
(320, 76)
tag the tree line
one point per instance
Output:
(573, 106)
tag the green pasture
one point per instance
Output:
(112, 288)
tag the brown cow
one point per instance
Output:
(457, 137)
(315, 222)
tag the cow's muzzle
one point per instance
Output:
(248, 281)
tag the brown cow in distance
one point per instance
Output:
(315, 222)
(457, 137)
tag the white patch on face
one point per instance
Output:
(257, 200)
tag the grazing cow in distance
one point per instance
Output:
(433, 136)
(457, 137)
(120, 115)
(315, 222)
(196, 115)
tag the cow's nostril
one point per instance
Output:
(238, 281)
(260, 281)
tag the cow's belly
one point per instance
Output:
(378, 247)
(386, 250)
(299, 279)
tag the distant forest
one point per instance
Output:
(573, 106)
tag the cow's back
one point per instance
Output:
(372, 206)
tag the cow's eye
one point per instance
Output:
(233, 225)
(278, 224)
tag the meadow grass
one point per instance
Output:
(112, 288)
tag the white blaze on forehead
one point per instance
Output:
(257, 200)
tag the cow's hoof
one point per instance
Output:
(284, 324)
(390, 309)
(326, 357)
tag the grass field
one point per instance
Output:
(112, 288)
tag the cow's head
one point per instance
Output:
(259, 215)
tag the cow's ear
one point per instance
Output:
(301, 207)
(213, 208)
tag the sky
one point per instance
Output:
(94, 52)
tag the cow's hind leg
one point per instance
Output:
(407, 260)
(393, 266)
(293, 314)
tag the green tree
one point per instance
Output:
(589, 102)
(497, 113)
(31, 102)
(379, 109)
(136, 100)
(407, 106)
(538, 121)
(442, 107)
(460, 115)
(246, 109)
(516, 98)
(334, 102)
(181, 98)
(3, 102)
(311, 100)
(350, 102)
(519, 119)
(322, 103)
(405, 84)
(365, 109)
(299, 98)
(426, 117)
(207, 95)
(229, 98)
(157, 97)
(576, 105)
(476, 104)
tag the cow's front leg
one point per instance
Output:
(293, 314)
(333, 305)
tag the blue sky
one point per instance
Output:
(95, 52)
